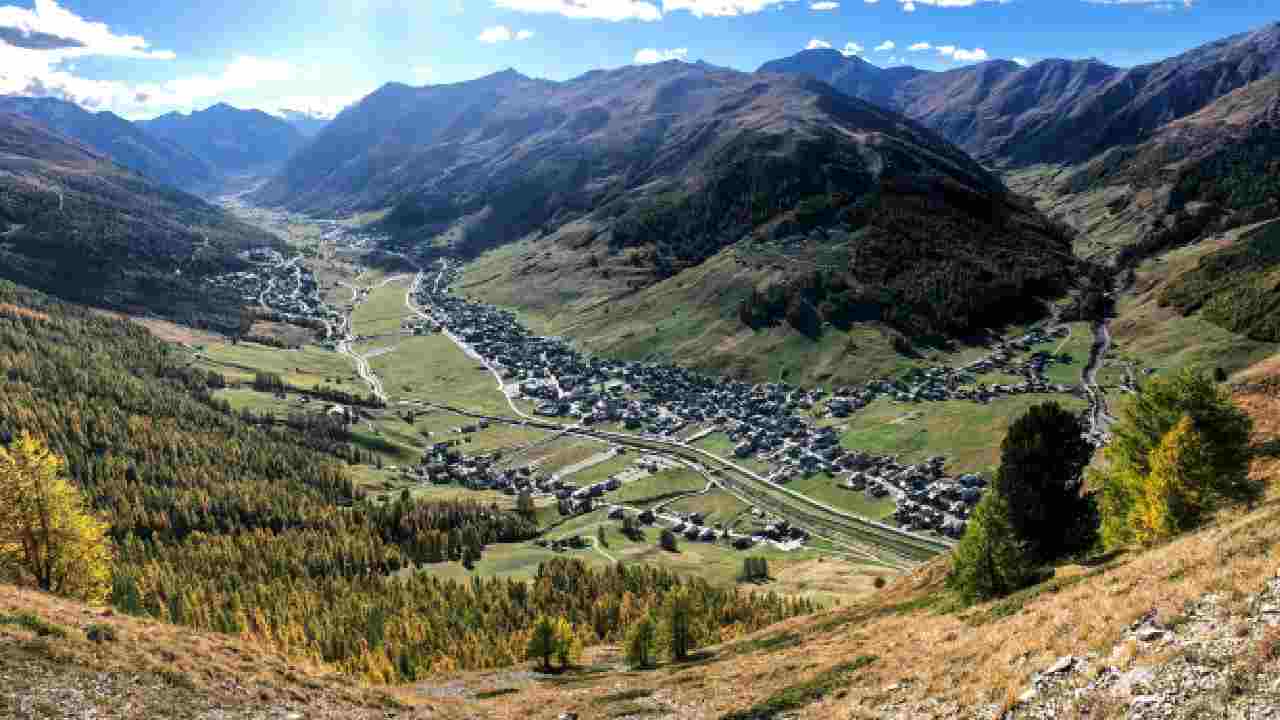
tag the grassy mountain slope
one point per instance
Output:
(229, 139)
(75, 224)
(636, 176)
(124, 142)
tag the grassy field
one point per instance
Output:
(382, 312)
(803, 572)
(718, 443)
(824, 489)
(432, 368)
(602, 471)
(646, 490)
(304, 368)
(1076, 345)
(967, 433)
(718, 506)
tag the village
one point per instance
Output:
(782, 426)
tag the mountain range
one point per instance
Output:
(124, 142)
(76, 224)
(1055, 111)
(229, 139)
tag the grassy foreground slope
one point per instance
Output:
(905, 652)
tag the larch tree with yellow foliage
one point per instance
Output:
(49, 537)
(1180, 450)
(1173, 497)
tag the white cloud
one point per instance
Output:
(60, 31)
(648, 56)
(319, 106)
(946, 50)
(851, 48)
(494, 35)
(645, 10)
(816, 44)
(910, 5)
(826, 5)
(920, 47)
(423, 73)
(886, 46)
(614, 10)
(1022, 61)
(718, 8)
(871, 2)
(502, 33)
(974, 55)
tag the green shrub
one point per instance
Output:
(34, 623)
(100, 633)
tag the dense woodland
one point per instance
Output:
(927, 260)
(227, 526)
(113, 239)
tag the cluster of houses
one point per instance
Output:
(1015, 357)
(772, 422)
(285, 287)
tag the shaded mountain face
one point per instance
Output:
(230, 139)
(1213, 169)
(667, 165)
(850, 75)
(306, 123)
(74, 224)
(157, 158)
(1056, 111)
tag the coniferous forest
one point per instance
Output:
(230, 526)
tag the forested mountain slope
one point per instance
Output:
(75, 224)
(160, 160)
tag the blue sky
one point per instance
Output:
(141, 58)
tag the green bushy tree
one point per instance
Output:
(642, 643)
(990, 560)
(1042, 459)
(1222, 457)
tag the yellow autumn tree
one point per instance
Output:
(1172, 497)
(49, 537)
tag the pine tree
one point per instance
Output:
(642, 643)
(678, 625)
(1041, 461)
(990, 561)
(542, 643)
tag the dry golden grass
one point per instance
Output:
(223, 670)
(964, 660)
(167, 330)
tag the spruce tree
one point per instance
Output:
(990, 561)
(1042, 459)
(641, 643)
